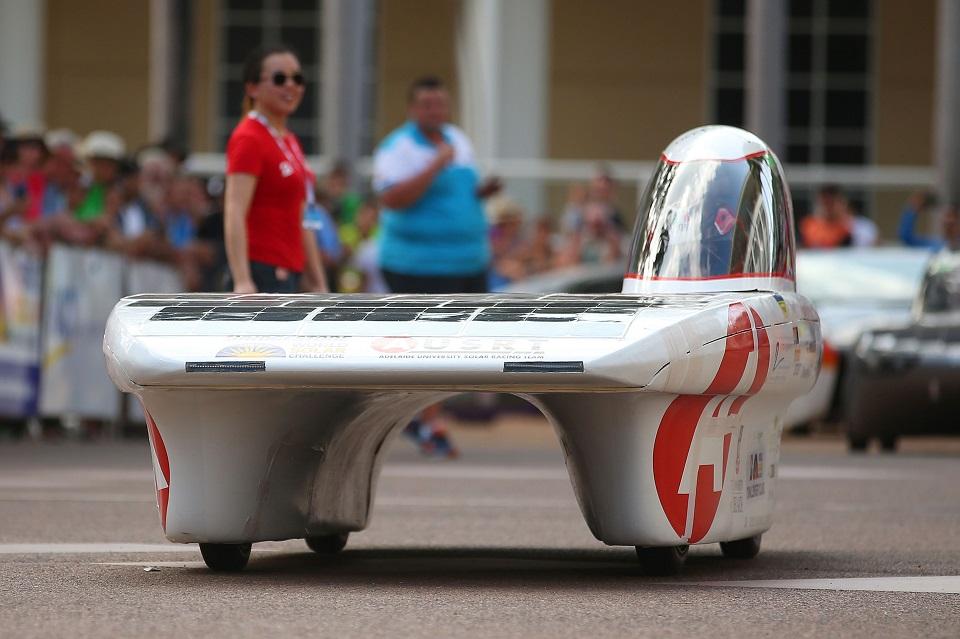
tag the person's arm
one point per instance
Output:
(490, 186)
(237, 198)
(316, 276)
(404, 194)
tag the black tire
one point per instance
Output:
(327, 544)
(226, 557)
(857, 443)
(662, 562)
(741, 548)
(888, 443)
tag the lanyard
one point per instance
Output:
(294, 157)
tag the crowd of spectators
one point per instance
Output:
(94, 192)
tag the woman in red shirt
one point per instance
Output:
(268, 182)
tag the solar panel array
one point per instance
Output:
(404, 308)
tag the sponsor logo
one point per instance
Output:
(458, 347)
(755, 485)
(251, 351)
(394, 344)
(782, 304)
(286, 169)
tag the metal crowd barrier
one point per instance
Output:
(53, 312)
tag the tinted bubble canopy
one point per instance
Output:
(715, 216)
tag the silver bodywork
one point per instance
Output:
(269, 416)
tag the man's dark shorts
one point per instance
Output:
(400, 283)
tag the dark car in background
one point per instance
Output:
(904, 378)
(853, 290)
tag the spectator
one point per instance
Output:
(344, 203)
(269, 183)
(319, 220)
(363, 268)
(829, 226)
(433, 233)
(157, 172)
(28, 178)
(598, 242)
(62, 170)
(572, 219)
(506, 242)
(863, 231)
(603, 190)
(103, 151)
(920, 205)
(540, 254)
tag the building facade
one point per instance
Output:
(860, 92)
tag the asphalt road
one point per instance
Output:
(491, 544)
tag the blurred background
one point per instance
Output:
(570, 102)
(860, 91)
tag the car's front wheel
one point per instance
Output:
(660, 562)
(741, 548)
(327, 544)
(226, 557)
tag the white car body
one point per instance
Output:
(269, 415)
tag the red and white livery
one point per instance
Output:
(269, 415)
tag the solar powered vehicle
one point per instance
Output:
(270, 415)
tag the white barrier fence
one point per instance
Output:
(52, 317)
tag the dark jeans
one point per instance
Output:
(266, 280)
(400, 283)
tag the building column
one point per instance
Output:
(346, 57)
(503, 68)
(160, 88)
(765, 71)
(947, 106)
(22, 62)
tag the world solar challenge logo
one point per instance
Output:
(251, 351)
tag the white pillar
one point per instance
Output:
(161, 69)
(503, 68)
(346, 69)
(22, 62)
(766, 42)
(946, 132)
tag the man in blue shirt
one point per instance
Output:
(433, 230)
(949, 224)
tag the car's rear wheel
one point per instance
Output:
(327, 544)
(660, 562)
(226, 557)
(857, 443)
(888, 443)
(741, 548)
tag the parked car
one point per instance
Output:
(904, 378)
(853, 289)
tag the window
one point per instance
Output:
(246, 24)
(827, 82)
(827, 77)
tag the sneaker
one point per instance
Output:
(441, 445)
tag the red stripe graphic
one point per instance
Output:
(163, 494)
(679, 424)
(735, 354)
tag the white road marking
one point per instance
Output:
(93, 548)
(158, 564)
(939, 584)
(465, 471)
(81, 497)
(474, 502)
(845, 472)
(474, 471)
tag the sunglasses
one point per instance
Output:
(280, 78)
